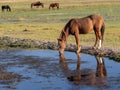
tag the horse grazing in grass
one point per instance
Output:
(53, 5)
(37, 4)
(82, 26)
(7, 7)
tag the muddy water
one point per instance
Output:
(46, 70)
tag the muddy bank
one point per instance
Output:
(28, 43)
(8, 79)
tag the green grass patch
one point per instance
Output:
(44, 24)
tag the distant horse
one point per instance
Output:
(37, 4)
(53, 5)
(82, 26)
(7, 7)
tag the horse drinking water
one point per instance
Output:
(83, 25)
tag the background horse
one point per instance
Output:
(82, 26)
(53, 5)
(37, 4)
(7, 7)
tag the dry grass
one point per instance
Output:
(45, 24)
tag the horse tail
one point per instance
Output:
(31, 5)
(102, 31)
(42, 4)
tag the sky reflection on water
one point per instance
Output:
(43, 70)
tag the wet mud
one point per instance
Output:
(46, 70)
(7, 42)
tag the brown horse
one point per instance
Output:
(37, 4)
(82, 26)
(53, 5)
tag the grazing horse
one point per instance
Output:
(7, 7)
(37, 4)
(52, 5)
(82, 26)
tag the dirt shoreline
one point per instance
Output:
(8, 42)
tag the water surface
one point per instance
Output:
(46, 70)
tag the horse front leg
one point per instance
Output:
(78, 43)
(96, 41)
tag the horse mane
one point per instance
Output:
(62, 34)
(65, 31)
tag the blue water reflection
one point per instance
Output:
(43, 70)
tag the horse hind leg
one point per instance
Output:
(100, 32)
(100, 44)
(77, 42)
(100, 40)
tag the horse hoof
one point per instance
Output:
(77, 52)
(99, 48)
(94, 48)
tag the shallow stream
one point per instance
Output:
(46, 70)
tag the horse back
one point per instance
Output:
(89, 23)
(81, 25)
(96, 19)
(84, 25)
(54, 5)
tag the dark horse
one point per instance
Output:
(7, 7)
(82, 26)
(37, 4)
(53, 5)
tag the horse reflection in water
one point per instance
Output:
(85, 76)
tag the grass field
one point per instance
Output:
(44, 24)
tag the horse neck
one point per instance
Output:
(57, 5)
(9, 9)
(64, 35)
